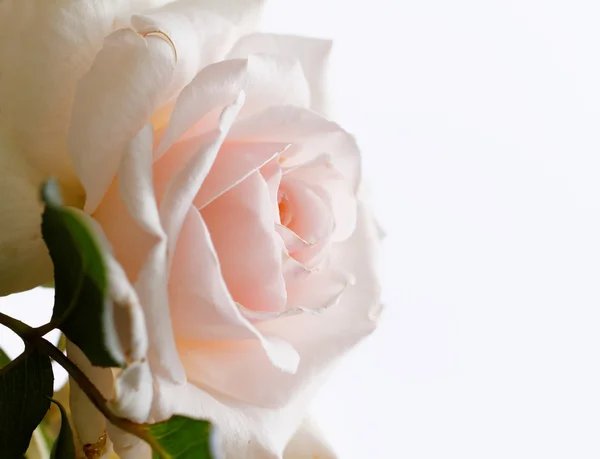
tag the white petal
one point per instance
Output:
(24, 259)
(312, 53)
(114, 100)
(199, 36)
(88, 422)
(265, 80)
(308, 443)
(133, 392)
(45, 48)
(246, 431)
(136, 188)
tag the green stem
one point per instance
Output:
(93, 393)
(32, 337)
(20, 328)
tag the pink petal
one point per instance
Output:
(324, 179)
(234, 163)
(311, 220)
(241, 370)
(201, 306)
(241, 225)
(310, 135)
(272, 174)
(183, 187)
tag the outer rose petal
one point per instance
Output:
(265, 80)
(248, 432)
(199, 36)
(24, 259)
(113, 102)
(45, 48)
(308, 443)
(312, 53)
(88, 422)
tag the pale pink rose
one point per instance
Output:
(235, 209)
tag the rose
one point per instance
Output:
(45, 49)
(258, 256)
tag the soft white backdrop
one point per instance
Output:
(479, 122)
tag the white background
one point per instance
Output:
(480, 126)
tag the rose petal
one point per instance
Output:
(201, 306)
(135, 179)
(24, 259)
(311, 220)
(308, 442)
(272, 174)
(113, 102)
(45, 48)
(309, 134)
(199, 36)
(241, 371)
(240, 223)
(265, 80)
(324, 179)
(234, 163)
(184, 186)
(88, 422)
(247, 431)
(312, 53)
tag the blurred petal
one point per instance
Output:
(114, 100)
(45, 48)
(24, 259)
(312, 53)
(88, 422)
(308, 443)
(246, 431)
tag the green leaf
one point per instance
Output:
(25, 391)
(82, 308)
(183, 438)
(4, 359)
(64, 446)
